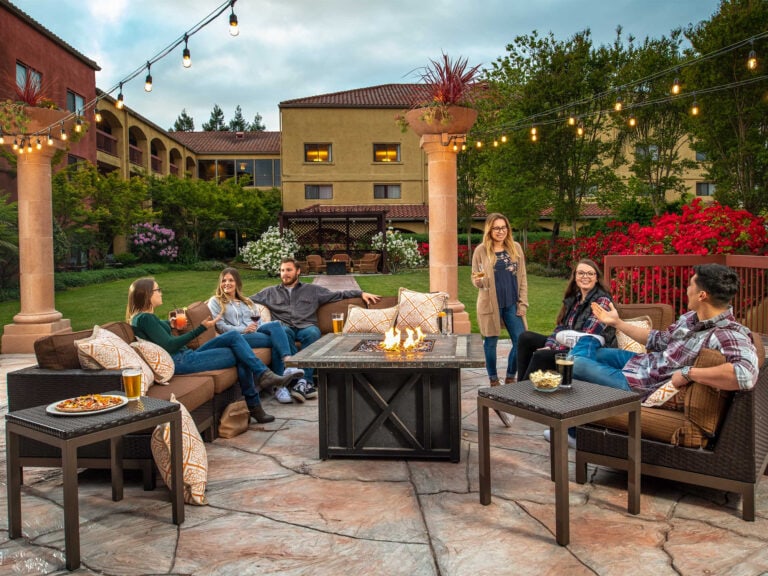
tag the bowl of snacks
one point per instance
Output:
(545, 381)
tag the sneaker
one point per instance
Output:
(571, 439)
(294, 373)
(310, 390)
(570, 337)
(298, 391)
(283, 396)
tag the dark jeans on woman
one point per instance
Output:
(272, 335)
(532, 356)
(224, 351)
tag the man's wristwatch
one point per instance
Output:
(686, 372)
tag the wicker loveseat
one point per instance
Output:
(719, 439)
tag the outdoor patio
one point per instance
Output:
(276, 509)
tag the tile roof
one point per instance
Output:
(392, 211)
(587, 211)
(229, 142)
(383, 96)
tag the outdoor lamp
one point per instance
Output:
(695, 108)
(20, 148)
(580, 129)
(79, 125)
(63, 132)
(632, 121)
(186, 56)
(234, 30)
(50, 139)
(676, 86)
(39, 144)
(119, 102)
(618, 105)
(15, 144)
(29, 145)
(97, 114)
(571, 120)
(2, 138)
(503, 138)
(148, 81)
(752, 60)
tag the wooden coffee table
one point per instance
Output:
(560, 410)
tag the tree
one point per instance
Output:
(469, 192)
(9, 240)
(732, 129)
(238, 123)
(256, 125)
(216, 122)
(184, 123)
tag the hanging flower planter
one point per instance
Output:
(441, 120)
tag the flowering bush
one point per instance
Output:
(153, 243)
(402, 252)
(462, 251)
(267, 252)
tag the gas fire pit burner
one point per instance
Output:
(377, 346)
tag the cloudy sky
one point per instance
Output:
(296, 48)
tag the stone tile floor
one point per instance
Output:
(276, 509)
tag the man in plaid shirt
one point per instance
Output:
(671, 353)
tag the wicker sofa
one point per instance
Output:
(58, 375)
(718, 440)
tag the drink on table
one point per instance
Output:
(337, 319)
(132, 383)
(564, 363)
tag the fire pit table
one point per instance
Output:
(390, 404)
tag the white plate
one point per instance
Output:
(51, 408)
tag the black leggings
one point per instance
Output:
(532, 356)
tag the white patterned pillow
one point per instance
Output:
(266, 315)
(661, 395)
(106, 350)
(361, 319)
(625, 342)
(195, 458)
(420, 310)
(159, 361)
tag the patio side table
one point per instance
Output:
(70, 432)
(560, 410)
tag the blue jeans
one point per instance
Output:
(305, 336)
(593, 363)
(272, 335)
(224, 351)
(515, 327)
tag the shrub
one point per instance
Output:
(266, 253)
(402, 252)
(153, 243)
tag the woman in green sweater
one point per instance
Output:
(223, 351)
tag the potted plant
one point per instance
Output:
(451, 87)
(31, 112)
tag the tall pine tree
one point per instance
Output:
(184, 123)
(238, 123)
(216, 122)
(257, 125)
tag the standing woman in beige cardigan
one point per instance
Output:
(498, 270)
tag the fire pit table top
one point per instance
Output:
(339, 351)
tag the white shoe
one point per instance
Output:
(283, 396)
(295, 372)
(570, 337)
(571, 439)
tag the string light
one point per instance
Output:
(63, 132)
(97, 114)
(39, 144)
(15, 144)
(78, 125)
(455, 147)
(50, 139)
(2, 138)
(695, 107)
(29, 145)
(479, 144)
(234, 29)
(752, 58)
(20, 148)
(186, 56)
(148, 80)
(580, 129)
(503, 138)
(619, 104)
(632, 121)
(119, 103)
(676, 86)
(571, 120)
(495, 143)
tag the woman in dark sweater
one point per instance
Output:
(224, 351)
(537, 351)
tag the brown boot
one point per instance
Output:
(258, 414)
(269, 380)
(510, 380)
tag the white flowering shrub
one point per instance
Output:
(402, 252)
(267, 252)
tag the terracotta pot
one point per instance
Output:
(40, 119)
(459, 121)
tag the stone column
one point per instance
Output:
(38, 316)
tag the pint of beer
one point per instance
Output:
(132, 383)
(337, 318)
(564, 364)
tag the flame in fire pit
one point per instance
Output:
(392, 339)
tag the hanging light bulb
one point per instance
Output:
(15, 144)
(495, 143)
(234, 30)
(580, 129)
(752, 58)
(186, 56)
(79, 125)
(534, 137)
(21, 147)
(463, 147)
(2, 138)
(503, 138)
(534, 131)
(455, 147)
(619, 104)
(97, 114)
(695, 107)
(29, 145)
(632, 121)
(479, 144)
(148, 80)
(50, 139)
(571, 120)
(119, 103)
(676, 86)
(38, 144)
(63, 132)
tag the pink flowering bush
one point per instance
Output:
(153, 243)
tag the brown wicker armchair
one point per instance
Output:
(368, 263)
(315, 264)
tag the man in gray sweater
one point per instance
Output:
(295, 304)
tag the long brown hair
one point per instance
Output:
(572, 288)
(223, 298)
(509, 242)
(139, 297)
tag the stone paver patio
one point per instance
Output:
(276, 509)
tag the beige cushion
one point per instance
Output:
(159, 361)
(420, 310)
(266, 315)
(364, 320)
(105, 350)
(624, 342)
(706, 406)
(195, 458)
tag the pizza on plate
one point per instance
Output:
(89, 403)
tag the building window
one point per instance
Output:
(244, 171)
(701, 157)
(75, 102)
(650, 151)
(28, 80)
(386, 191)
(705, 188)
(318, 192)
(267, 172)
(317, 153)
(386, 152)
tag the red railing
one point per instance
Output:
(135, 155)
(106, 143)
(157, 164)
(664, 278)
(174, 169)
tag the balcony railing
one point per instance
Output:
(664, 278)
(156, 163)
(174, 169)
(135, 155)
(106, 143)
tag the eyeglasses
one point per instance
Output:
(585, 274)
(157, 290)
(499, 229)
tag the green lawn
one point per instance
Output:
(102, 303)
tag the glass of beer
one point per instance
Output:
(337, 318)
(480, 275)
(132, 383)
(564, 363)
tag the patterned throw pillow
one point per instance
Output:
(105, 350)
(361, 319)
(266, 315)
(157, 359)
(625, 342)
(662, 395)
(195, 458)
(418, 309)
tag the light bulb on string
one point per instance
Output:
(63, 132)
(29, 145)
(632, 121)
(752, 58)
(495, 143)
(463, 147)
(503, 138)
(534, 131)
(21, 147)
(119, 103)
(38, 144)
(148, 79)
(97, 114)
(619, 104)
(676, 86)
(79, 125)
(455, 147)
(186, 56)
(15, 144)
(580, 129)
(479, 144)
(50, 139)
(234, 29)
(695, 107)
(2, 138)
(571, 120)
